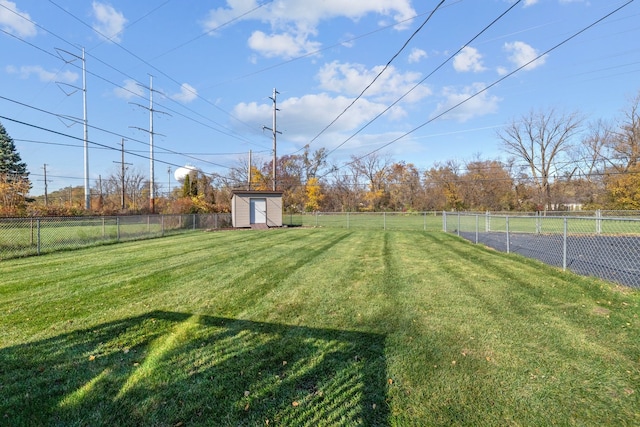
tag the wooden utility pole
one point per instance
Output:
(46, 196)
(122, 174)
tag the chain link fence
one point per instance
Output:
(607, 247)
(21, 237)
(426, 221)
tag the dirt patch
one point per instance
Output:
(601, 311)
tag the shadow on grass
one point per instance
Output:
(167, 368)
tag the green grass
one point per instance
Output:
(312, 327)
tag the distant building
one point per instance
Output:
(256, 209)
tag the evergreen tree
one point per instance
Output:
(14, 181)
(10, 162)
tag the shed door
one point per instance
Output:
(258, 211)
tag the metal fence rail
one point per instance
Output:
(604, 247)
(21, 237)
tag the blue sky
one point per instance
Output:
(215, 64)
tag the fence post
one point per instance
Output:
(384, 220)
(118, 228)
(162, 225)
(444, 221)
(598, 221)
(194, 221)
(564, 246)
(487, 222)
(508, 240)
(538, 225)
(458, 230)
(424, 221)
(38, 234)
(215, 221)
(347, 220)
(104, 230)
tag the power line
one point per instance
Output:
(165, 150)
(120, 71)
(380, 73)
(147, 63)
(206, 33)
(448, 110)
(442, 64)
(332, 46)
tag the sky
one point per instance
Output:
(415, 81)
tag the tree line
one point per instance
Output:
(555, 160)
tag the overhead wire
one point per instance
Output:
(496, 82)
(406, 43)
(164, 150)
(414, 87)
(147, 63)
(109, 65)
(116, 85)
(135, 154)
(329, 47)
(206, 33)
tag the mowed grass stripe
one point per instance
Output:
(378, 328)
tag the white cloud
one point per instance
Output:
(416, 55)
(294, 23)
(281, 45)
(477, 106)
(187, 94)
(300, 118)
(521, 53)
(528, 3)
(351, 79)
(26, 71)
(130, 90)
(15, 21)
(469, 59)
(109, 22)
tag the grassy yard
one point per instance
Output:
(312, 327)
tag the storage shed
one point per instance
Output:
(256, 209)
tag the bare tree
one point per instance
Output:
(625, 141)
(375, 169)
(541, 139)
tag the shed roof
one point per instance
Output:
(256, 193)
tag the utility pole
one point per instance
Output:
(152, 196)
(46, 197)
(249, 174)
(151, 135)
(87, 190)
(274, 130)
(122, 170)
(87, 193)
(169, 172)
